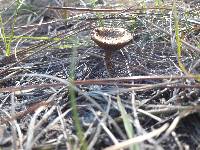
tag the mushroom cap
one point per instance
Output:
(111, 38)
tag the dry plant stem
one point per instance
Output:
(180, 147)
(105, 82)
(136, 121)
(64, 126)
(105, 9)
(16, 127)
(4, 101)
(166, 109)
(14, 135)
(175, 123)
(103, 125)
(93, 133)
(135, 78)
(196, 65)
(95, 137)
(138, 139)
(45, 116)
(23, 113)
(38, 24)
(99, 127)
(20, 134)
(144, 101)
(31, 129)
(2, 10)
(172, 127)
(29, 110)
(50, 125)
(149, 115)
(147, 87)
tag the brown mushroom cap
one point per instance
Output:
(111, 38)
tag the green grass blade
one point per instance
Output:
(178, 40)
(8, 41)
(75, 115)
(127, 123)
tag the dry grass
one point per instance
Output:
(158, 102)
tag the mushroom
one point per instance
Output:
(110, 39)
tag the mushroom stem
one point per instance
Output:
(108, 62)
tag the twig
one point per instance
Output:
(110, 81)
(103, 9)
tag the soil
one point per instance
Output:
(56, 62)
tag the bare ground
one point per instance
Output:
(36, 79)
